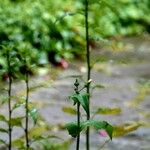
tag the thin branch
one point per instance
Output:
(9, 101)
(89, 69)
(27, 109)
(78, 114)
(102, 146)
(78, 121)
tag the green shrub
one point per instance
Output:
(46, 25)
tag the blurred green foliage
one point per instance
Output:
(40, 26)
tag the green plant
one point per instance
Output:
(75, 128)
(45, 29)
(10, 121)
(30, 111)
(40, 32)
(79, 98)
(17, 66)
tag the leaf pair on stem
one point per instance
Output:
(75, 128)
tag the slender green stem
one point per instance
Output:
(9, 101)
(78, 121)
(27, 110)
(88, 68)
(78, 114)
(102, 146)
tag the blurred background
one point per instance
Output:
(45, 26)
(51, 35)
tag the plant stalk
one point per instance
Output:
(78, 121)
(27, 110)
(9, 101)
(78, 114)
(88, 69)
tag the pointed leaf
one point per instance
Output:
(33, 113)
(99, 125)
(82, 99)
(73, 129)
(75, 100)
(99, 86)
(3, 130)
(2, 118)
(123, 129)
(40, 138)
(69, 110)
(19, 104)
(108, 111)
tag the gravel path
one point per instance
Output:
(122, 90)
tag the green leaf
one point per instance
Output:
(123, 129)
(3, 130)
(100, 86)
(108, 111)
(19, 143)
(50, 145)
(40, 137)
(60, 18)
(69, 110)
(83, 99)
(19, 104)
(73, 129)
(4, 100)
(109, 130)
(99, 125)
(3, 142)
(16, 121)
(2, 118)
(33, 113)
(37, 131)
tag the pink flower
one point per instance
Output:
(64, 64)
(103, 133)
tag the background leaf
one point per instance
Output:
(18, 104)
(123, 129)
(18, 143)
(3, 142)
(2, 118)
(69, 110)
(108, 111)
(3, 130)
(16, 121)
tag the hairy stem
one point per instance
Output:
(9, 101)
(27, 110)
(88, 68)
